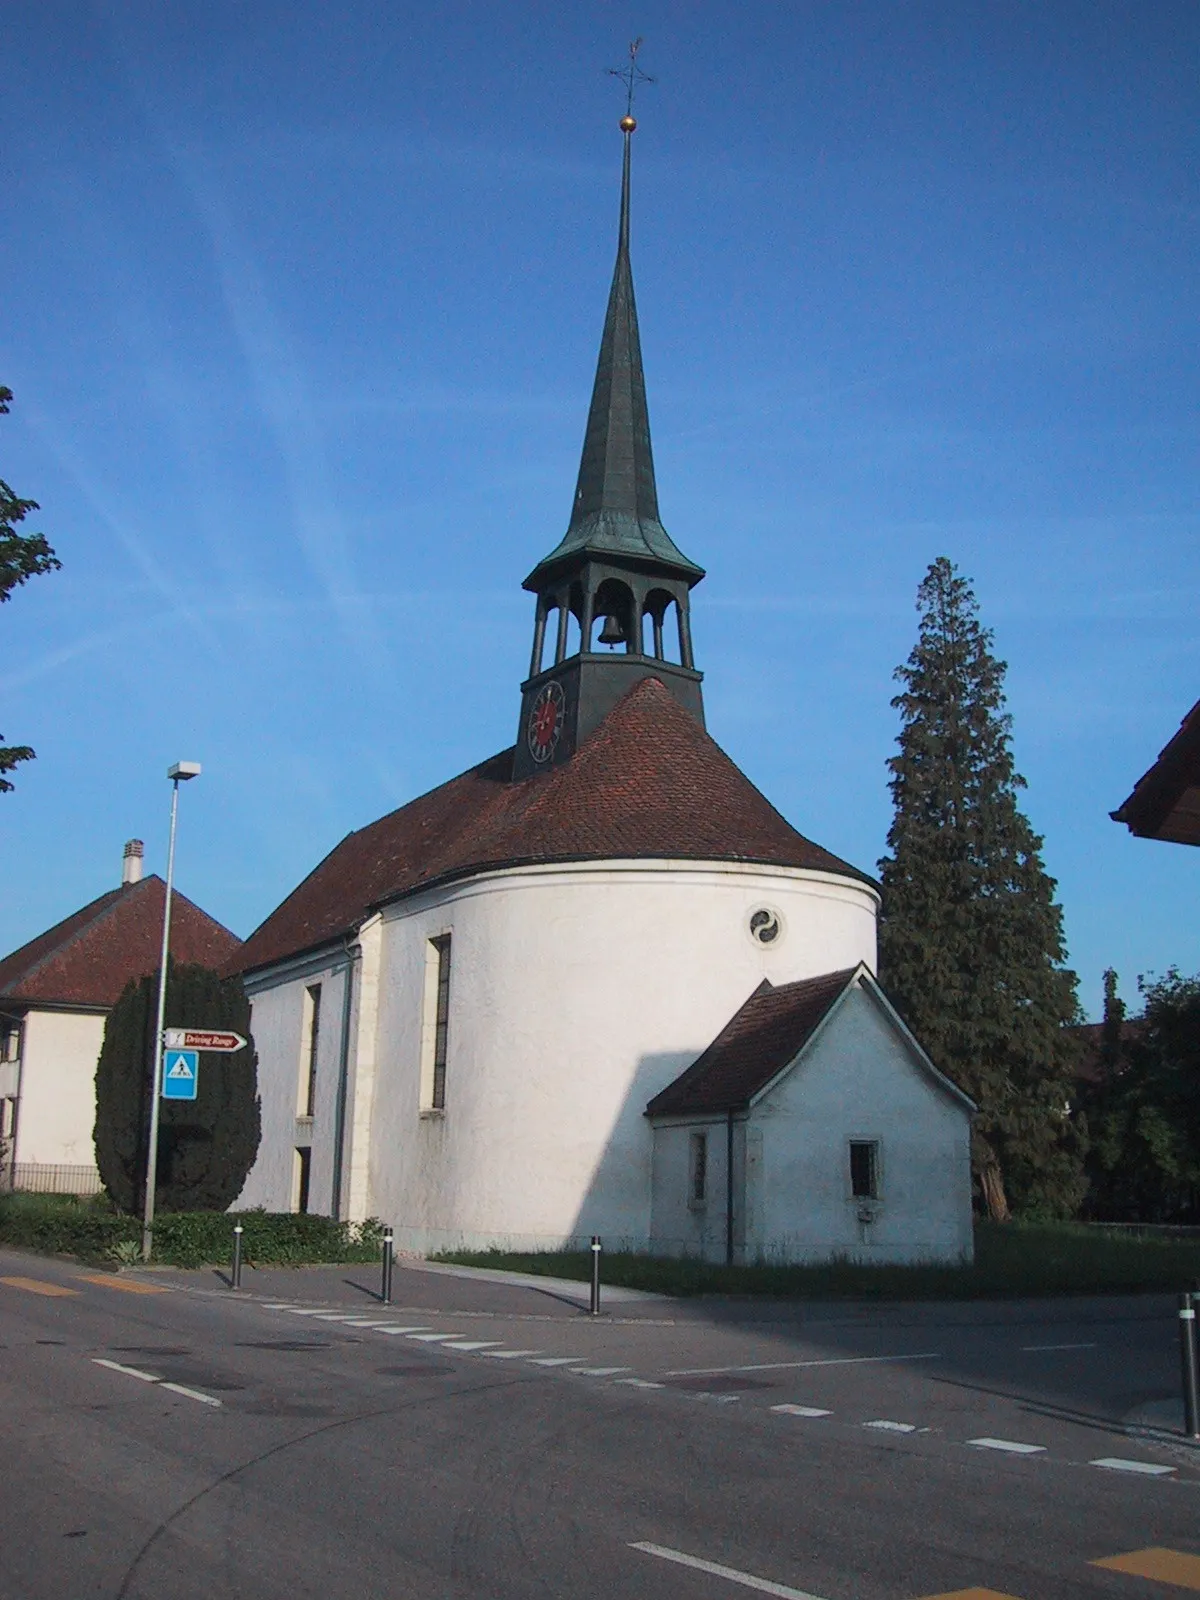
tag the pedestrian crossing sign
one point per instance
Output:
(181, 1069)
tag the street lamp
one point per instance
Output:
(181, 772)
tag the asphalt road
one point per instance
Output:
(163, 1437)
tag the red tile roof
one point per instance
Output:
(649, 783)
(1165, 803)
(756, 1044)
(88, 958)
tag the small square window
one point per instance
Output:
(864, 1169)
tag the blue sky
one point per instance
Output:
(301, 310)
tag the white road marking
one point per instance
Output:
(431, 1338)
(390, 1329)
(473, 1344)
(802, 1411)
(305, 1311)
(329, 1316)
(508, 1355)
(891, 1427)
(746, 1579)
(363, 1322)
(554, 1361)
(1010, 1445)
(779, 1366)
(281, 1306)
(641, 1383)
(598, 1372)
(149, 1377)
(191, 1394)
(1115, 1464)
(1035, 1349)
(130, 1372)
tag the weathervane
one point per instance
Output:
(630, 76)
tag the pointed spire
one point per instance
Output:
(616, 501)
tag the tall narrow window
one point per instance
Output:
(698, 1170)
(310, 1049)
(441, 1025)
(864, 1169)
(301, 1175)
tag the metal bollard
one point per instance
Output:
(235, 1276)
(595, 1303)
(1191, 1374)
(385, 1287)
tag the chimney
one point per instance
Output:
(131, 866)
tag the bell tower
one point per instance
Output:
(613, 596)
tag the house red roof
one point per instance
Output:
(88, 958)
(649, 783)
(753, 1047)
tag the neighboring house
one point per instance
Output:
(55, 993)
(462, 1012)
(1165, 803)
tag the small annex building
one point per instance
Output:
(55, 993)
(819, 1086)
(464, 1011)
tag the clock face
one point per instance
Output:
(545, 722)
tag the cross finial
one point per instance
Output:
(630, 76)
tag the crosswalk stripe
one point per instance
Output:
(126, 1285)
(38, 1286)
(1149, 1469)
(1159, 1564)
(971, 1594)
(1011, 1446)
(802, 1411)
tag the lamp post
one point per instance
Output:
(179, 773)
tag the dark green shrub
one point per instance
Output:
(59, 1225)
(206, 1146)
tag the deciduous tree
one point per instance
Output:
(22, 556)
(971, 940)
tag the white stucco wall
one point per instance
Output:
(679, 1226)
(859, 1080)
(576, 994)
(57, 1114)
(277, 1023)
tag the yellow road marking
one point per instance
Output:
(970, 1594)
(127, 1285)
(37, 1286)
(1165, 1566)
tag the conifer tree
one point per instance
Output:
(206, 1146)
(971, 939)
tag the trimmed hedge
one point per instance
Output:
(93, 1231)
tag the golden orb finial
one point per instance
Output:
(628, 124)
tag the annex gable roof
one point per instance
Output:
(767, 1035)
(649, 783)
(87, 959)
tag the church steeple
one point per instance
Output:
(615, 511)
(616, 569)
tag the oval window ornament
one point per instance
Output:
(765, 925)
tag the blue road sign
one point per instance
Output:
(181, 1070)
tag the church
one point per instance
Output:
(597, 984)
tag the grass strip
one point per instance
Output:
(1014, 1259)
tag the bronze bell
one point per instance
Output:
(612, 632)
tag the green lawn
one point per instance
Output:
(1011, 1259)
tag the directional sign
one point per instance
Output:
(201, 1039)
(181, 1069)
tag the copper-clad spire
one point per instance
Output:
(615, 512)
